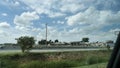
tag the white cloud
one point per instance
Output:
(4, 14)
(54, 8)
(93, 16)
(10, 3)
(77, 34)
(16, 3)
(84, 17)
(109, 17)
(55, 14)
(4, 25)
(60, 22)
(25, 19)
(73, 7)
(5, 32)
(43, 7)
(1, 32)
(36, 29)
(90, 22)
(82, 20)
(87, 20)
(90, 26)
(114, 30)
(24, 24)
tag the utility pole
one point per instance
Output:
(46, 34)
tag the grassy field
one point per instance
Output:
(81, 59)
(99, 65)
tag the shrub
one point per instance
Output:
(92, 60)
(33, 64)
(61, 64)
(8, 64)
(50, 64)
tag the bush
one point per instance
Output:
(92, 60)
(35, 56)
(8, 64)
(50, 64)
(61, 64)
(53, 60)
(33, 64)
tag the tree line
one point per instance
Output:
(26, 43)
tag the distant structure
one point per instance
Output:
(46, 34)
(110, 43)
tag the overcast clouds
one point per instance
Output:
(68, 20)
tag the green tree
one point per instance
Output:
(85, 39)
(42, 42)
(26, 43)
(56, 41)
(50, 42)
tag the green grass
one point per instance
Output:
(50, 64)
(100, 65)
(53, 60)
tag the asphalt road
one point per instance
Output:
(51, 50)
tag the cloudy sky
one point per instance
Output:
(68, 20)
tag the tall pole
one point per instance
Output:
(46, 34)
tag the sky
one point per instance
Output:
(68, 20)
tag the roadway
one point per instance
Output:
(53, 49)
